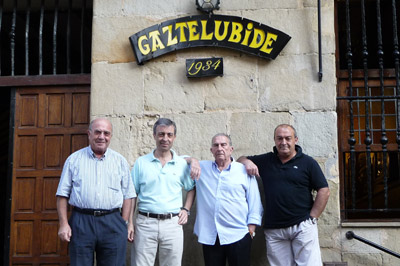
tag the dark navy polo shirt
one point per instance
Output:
(288, 187)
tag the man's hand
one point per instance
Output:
(195, 169)
(252, 230)
(251, 168)
(183, 217)
(131, 232)
(320, 202)
(65, 232)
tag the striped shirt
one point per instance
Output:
(93, 183)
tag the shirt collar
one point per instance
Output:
(93, 155)
(153, 158)
(215, 165)
(299, 152)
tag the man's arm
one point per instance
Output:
(131, 227)
(255, 208)
(64, 232)
(320, 202)
(195, 169)
(126, 209)
(183, 214)
(251, 168)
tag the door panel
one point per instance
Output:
(50, 124)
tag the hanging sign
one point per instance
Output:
(204, 30)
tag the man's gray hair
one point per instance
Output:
(164, 122)
(223, 135)
(286, 125)
(100, 118)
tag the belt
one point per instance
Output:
(95, 212)
(159, 216)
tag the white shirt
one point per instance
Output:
(227, 201)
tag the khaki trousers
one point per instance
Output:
(296, 245)
(152, 234)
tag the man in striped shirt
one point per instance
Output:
(96, 182)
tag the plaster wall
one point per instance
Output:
(252, 97)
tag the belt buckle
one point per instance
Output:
(160, 216)
(97, 213)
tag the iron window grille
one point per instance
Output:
(368, 109)
(45, 37)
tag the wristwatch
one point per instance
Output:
(126, 222)
(183, 208)
(314, 220)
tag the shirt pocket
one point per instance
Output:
(76, 177)
(114, 180)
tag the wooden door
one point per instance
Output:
(50, 124)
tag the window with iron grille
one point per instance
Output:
(45, 37)
(368, 109)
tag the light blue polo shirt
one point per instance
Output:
(159, 189)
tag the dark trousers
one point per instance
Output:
(237, 254)
(104, 235)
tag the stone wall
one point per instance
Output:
(252, 97)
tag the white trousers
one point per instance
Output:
(152, 234)
(297, 245)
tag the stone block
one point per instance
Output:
(124, 133)
(153, 8)
(116, 89)
(291, 83)
(329, 235)
(302, 27)
(195, 132)
(110, 40)
(354, 259)
(389, 259)
(168, 90)
(236, 90)
(330, 217)
(330, 254)
(332, 168)
(316, 132)
(257, 5)
(253, 133)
